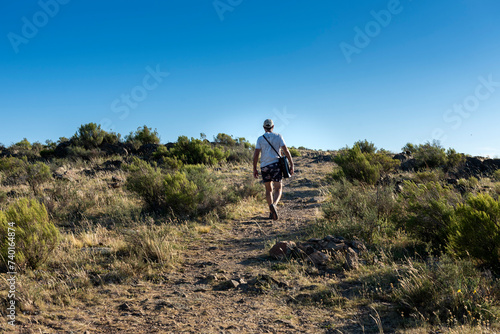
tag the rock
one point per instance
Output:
(401, 157)
(358, 245)
(227, 285)
(282, 249)
(114, 149)
(351, 258)
(333, 246)
(409, 165)
(319, 258)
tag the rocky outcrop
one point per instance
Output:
(320, 252)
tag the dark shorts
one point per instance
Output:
(271, 172)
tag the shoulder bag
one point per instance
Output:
(282, 162)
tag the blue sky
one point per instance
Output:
(328, 72)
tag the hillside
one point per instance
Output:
(129, 261)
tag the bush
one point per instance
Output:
(476, 230)
(410, 148)
(143, 136)
(446, 291)
(294, 152)
(35, 236)
(224, 139)
(385, 163)
(426, 211)
(196, 151)
(23, 145)
(14, 169)
(356, 166)
(431, 155)
(453, 159)
(90, 136)
(365, 146)
(162, 192)
(38, 173)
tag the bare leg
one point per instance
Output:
(277, 191)
(269, 192)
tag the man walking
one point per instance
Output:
(270, 169)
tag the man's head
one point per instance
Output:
(268, 125)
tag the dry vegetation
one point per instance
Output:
(128, 264)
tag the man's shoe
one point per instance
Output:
(274, 214)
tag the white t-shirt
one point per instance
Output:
(268, 155)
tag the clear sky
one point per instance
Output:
(328, 72)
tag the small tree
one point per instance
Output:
(143, 135)
(89, 136)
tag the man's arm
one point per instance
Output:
(255, 161)
(289, 157)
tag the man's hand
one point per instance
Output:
(292, 170)
(255, 173)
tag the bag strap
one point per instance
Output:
(271, 145)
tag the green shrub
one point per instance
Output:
(225, 139)
(23, 145)
(35, 236)
(453, 159)
(385, 163)
(294, 152)
(166, 193)
(38, 173)
(365, 146)
(476, 230)
(143, 136)
(195, 151)
(431, 155)
(13, 168)
(356, 166)
(410, 148)
(469, 184)
(91, 136)
(447, 291)
(426, 211)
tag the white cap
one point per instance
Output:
(268, 123)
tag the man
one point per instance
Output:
(270, 169)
